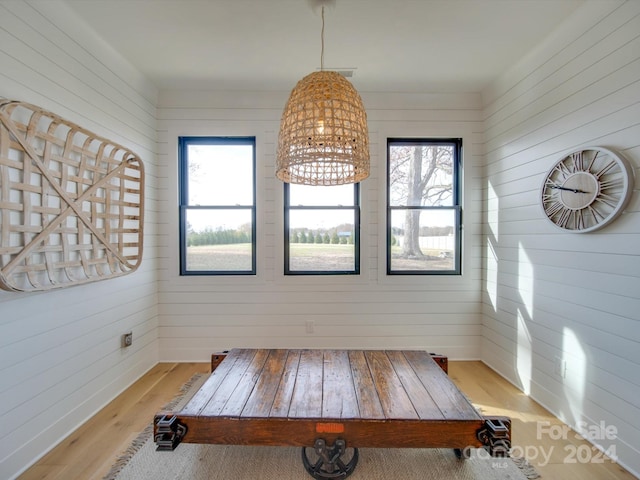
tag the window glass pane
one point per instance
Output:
(320, 196)
(421, 175)
(217, 205)
(423, 239)
(218, 240)
(220, 174)
(321, 240)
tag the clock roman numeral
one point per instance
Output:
(597, 216)
(605, 169)
(550, 190)
(593, 160)
(564, 218)
(549, 183)
(580, 220)
(615, 183)
(607, 200)
(584, 219)
(563, 170)
(578, 161)
(553, 209)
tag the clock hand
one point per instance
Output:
(574, 190)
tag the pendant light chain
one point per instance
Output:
(322, 42)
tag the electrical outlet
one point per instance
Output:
(127, 339)
(309, 326)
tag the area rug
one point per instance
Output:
(230, 462)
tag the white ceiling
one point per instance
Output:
(392, 45)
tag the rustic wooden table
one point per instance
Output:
(331, 402)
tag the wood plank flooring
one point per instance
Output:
(90, 451)
(493, 395)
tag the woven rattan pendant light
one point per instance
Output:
(323, 139)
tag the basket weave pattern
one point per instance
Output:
(324, 139)
(71, 203)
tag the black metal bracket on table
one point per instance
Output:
(495, 436)
(168, 432)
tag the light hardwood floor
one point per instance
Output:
(89, 452)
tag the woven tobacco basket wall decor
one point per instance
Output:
(71, 202)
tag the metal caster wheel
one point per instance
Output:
(324, 461)
(462, 453)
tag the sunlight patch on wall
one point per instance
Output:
(575, 376)
(492, 275)
(492, 240)
(493, 205)
(525, 279)
(524, 356)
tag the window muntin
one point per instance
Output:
(423, 206)
(217, 206)
(322, 230)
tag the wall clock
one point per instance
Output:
(586, 189)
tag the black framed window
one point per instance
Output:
(424, 216)
(217, 205)
(322, 229)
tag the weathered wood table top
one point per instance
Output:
(330, 385)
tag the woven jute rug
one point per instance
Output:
(230, 462)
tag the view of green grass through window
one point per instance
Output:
(423, 210)
(217, 208)
(321, 226)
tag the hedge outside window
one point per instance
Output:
(217, 205)
(322, 229)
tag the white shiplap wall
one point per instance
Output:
(60, 353)
(552, 296)
(545, 294)
(201, 315)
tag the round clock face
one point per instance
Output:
(587, 189)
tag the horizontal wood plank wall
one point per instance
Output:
(199, 315)
(60, 351)
(556, 300)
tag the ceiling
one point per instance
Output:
(391, 45)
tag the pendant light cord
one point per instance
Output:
(322, 42)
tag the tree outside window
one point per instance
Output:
(423, 206)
